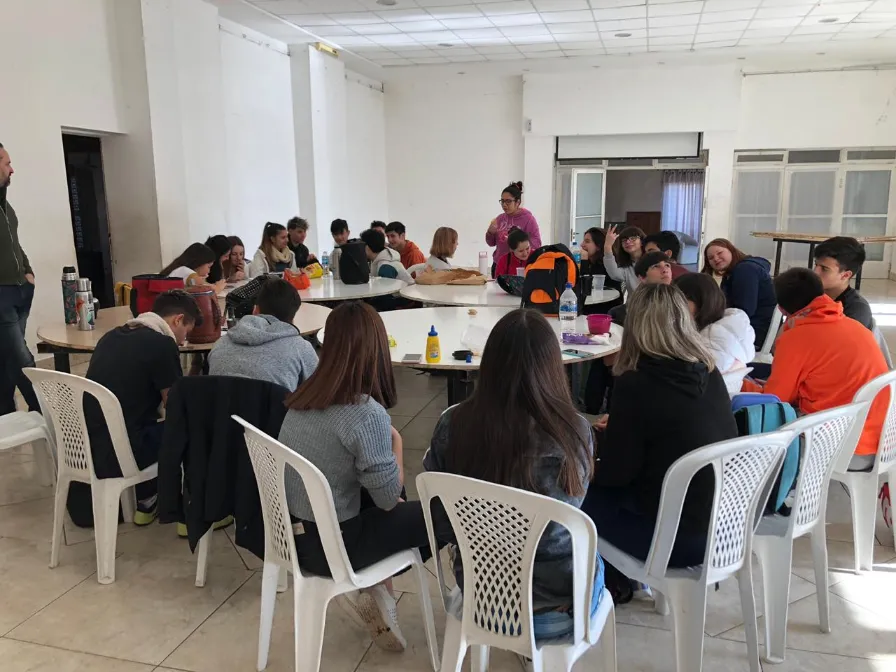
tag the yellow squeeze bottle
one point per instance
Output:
(433, 349)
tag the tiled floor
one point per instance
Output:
(154, 618)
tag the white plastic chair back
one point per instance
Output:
(743, 468)
(497, 530)
(886, 451)
(826, 436)
(765, 354)
(62, 397)
(269, 459)
(882, 343)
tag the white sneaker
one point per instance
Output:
(379, 611)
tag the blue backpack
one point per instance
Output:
(766, 416)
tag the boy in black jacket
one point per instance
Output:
(837, 260)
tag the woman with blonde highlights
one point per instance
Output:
(668, 400)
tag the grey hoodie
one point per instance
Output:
(263, 348)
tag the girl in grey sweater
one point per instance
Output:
(620, 260)
(338, 421)
(534, 440)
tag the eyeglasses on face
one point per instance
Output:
(507, 201)
(631, 239)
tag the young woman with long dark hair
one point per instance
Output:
(746, 282)
(220, 245)
(622, 250)
(193, 266)
(520, 428)
(235, 265)
(337, 419)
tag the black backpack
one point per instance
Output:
(548, 271)
(242, 299)
(353, 266)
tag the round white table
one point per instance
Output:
(330, 289)
(489, 294)
(409, 328)
(61, 339)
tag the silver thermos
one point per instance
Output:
(84, 305)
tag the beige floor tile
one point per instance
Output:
(28, 582)
(649, 650)
(723, 609)
(146, 614)
(413, 467)
(20, 483)
(839, 519)
(808, 661)
(418, 433)
(161, 541)
(841, 562)
(25, 657)
(75, 535)
(229, 639)
(436, 407)
(18, 454)
(399, 422)
(875, 591)
(32, 521)
(250, 560)
(416, 657)
(855, 631)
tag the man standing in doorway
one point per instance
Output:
(16, 295)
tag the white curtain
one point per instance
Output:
(683, 201)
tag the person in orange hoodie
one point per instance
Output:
(410, 254)
(822, 358)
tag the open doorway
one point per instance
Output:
(90, 225)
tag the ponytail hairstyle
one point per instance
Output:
(271, 229)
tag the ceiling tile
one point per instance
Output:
(376, 29)
(768, 32)
(512, 7)
(786, 11)
(455, 52)
(759, 41)
(641, 49)
(838, 18)
(489, 50)
(355, 18)
(560, 5)
(391, 62)
(730, 5)
(623, 24)
(717, 37)
(429, 61)
(308, 20)
(389, 40)
(333, 31)
(684, 20)
(631, 36)
(862, 27)
(811, 39)
(505, 57)
(674, 8)
(401, 15)
(471, 22)
(724, 17)
(579, 40)
(839, 8)
(467, 59)
(671, 39)
(354, 41)
(455, 12)
(517, 20)
(666, 31)
(615, 14)
(609, 4)
(818, 29)
(434, 37)
(478, 33)
(420, 26)
(780, 22)
(531, 39)
(562, 28)
(535, 48)
(728, 27)
(479, 42)
(566, 17)
(858, 34)
(519, 31)
(722, 44)
(417, 53)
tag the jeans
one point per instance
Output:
(15, 304)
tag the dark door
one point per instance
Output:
(648, 222)
(90, 225)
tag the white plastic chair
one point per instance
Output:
(743, 469)
(764, 356)
(497, 530)
(312, 594)
(62, 397)
(864, 486)
(882, 343)
(826, 436)
(20, 428)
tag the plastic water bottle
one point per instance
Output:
(569, 311)
(576, 252)
(325, 261)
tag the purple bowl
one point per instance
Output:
(599, 324)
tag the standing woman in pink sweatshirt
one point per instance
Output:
(513, 216)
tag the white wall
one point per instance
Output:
(60, 74)
(451, 147)
(633, 191)
(262, 184)
(366, 177)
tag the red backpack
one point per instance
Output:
(145, 289)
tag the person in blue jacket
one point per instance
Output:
(746, 282)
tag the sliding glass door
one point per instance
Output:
(588, 194)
